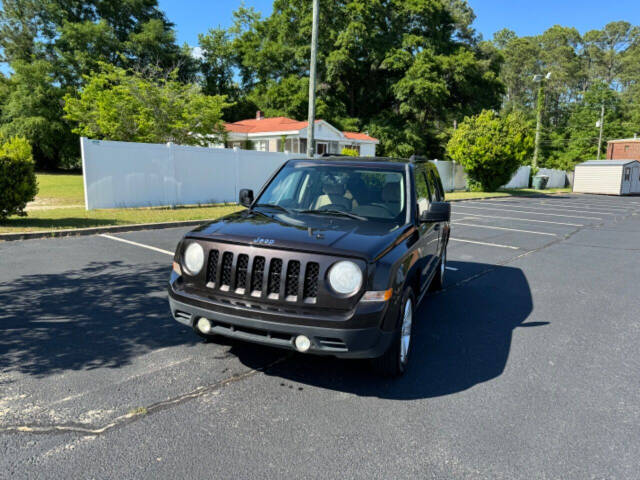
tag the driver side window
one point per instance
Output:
(423, 194)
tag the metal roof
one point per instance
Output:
(606, 162)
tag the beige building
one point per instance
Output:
(609, 177)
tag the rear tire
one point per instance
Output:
(438, 279)
(394, 362)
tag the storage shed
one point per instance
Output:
(610, 177)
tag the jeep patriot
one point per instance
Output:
(332, 257)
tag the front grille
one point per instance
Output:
(311, 280)
(275, 274)
(212, 268)
(241, 272)
(257, 275)
(225, 274)
(291, 285)
(262, 276)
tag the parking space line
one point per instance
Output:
(505, 228)
(522, 219)
(148, 247)
(453, 269)
(550, 207)
(561, 203)
(483, 243)
(530, 213)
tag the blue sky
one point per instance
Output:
(525, 17)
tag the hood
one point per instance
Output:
(303, 232)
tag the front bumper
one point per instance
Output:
(370, 342)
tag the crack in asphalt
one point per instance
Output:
(138, 413)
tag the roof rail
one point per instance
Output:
(418, 159)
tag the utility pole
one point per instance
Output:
(312, 81)
(540, 80)
(601, 125)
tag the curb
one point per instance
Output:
(78, 232)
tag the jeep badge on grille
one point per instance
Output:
(264, 241)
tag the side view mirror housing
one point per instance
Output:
(438, 212)
(246, 197)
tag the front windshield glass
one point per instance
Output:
(362, 193)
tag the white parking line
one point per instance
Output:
(530, 213)
(521, 219)
(550, 207)
(483, 243)
(148, 247)
(562, 203)
(452, 269)
(505, 228)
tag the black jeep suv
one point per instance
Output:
(332, 257)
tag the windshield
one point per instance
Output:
(339, 190)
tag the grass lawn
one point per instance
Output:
(59, 189)
(63, 218)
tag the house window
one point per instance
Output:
(322, 148)
(262, 145)
(627, 174)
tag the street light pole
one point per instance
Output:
(312, 81)
(540, 80)
(601, 128)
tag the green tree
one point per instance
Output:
(17, 177)
(491, 148)
(32, 109)
(118, 105)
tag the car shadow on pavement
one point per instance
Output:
(101, 315)
(462, 338)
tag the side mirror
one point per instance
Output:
(438, 212)
(246, 197)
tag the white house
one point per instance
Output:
(268, 135)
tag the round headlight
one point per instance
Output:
(193, 258)
(345, 277)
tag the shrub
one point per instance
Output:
(491, 148)
(350, 152)
(17, 177)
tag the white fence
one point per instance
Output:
(123, 174)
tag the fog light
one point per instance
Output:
(204, 325)
(302, 343)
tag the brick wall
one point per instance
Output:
(623, 150)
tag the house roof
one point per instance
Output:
(624, 140)
(359, 136)
(595, 163)
(283, 124)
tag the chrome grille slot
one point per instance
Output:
(310, 291)
(275, 274)
(212, 267)
(291, 284)
(241, 272)
(257, 276)
(225, 274)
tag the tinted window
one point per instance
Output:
(423, 192)
(435, 187)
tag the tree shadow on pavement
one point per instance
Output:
(462, 338)
(102, 315)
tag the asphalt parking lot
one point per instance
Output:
(526, 366)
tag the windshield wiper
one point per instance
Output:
(333, 212)
(269, 205)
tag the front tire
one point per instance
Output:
(394, 362)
